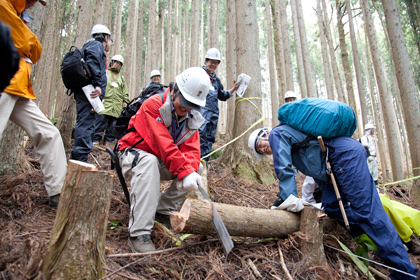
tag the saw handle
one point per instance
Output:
(337, 193)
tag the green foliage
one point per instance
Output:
(115, 226)
(364, 245)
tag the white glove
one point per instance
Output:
(370, 158)
(292, 204)
(190, 182)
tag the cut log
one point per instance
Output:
(312, 246)
(196, 217)
(77, 245)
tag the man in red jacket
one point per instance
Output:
(165, 145)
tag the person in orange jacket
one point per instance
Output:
(17, 100)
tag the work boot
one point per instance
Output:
(163, 219)
(413, 248)
(53, 201)
(277, 202)
(141, 244)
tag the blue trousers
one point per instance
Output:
(362, 204)
(85, 124)
(104, 125)
(208, 132)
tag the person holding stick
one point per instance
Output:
(347, 158)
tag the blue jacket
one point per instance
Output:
(309, 160)
(216, 92)
(96, 60)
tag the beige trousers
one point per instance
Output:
(43, 134)
(145, 171)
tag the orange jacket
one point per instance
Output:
(26, 43)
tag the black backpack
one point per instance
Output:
(121, 123)
(74, 70)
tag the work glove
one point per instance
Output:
(191, 182)
(292, 204)
(370, 158)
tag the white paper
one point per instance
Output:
(95, 102)
(243, 79)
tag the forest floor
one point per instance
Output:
(26, 223)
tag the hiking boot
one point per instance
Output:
(277, 202)
(141, 244)
(412, 248)
(53, 201)
(163, 219)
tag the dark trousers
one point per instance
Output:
(362, 204)
(104, 125)
(85, 124)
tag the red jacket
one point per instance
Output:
(153, 123)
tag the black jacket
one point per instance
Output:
(95, 58)
(8, 55)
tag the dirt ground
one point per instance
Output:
(27, 221)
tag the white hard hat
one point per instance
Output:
(290, 94)
(194, 84)
(213, 53)
(369, 126)
(100, 29)
(154, 73)
(254, 137)
(119, 58)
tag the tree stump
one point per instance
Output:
(196, 216)
(312, 246)
(77, 245)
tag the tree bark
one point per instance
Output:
(77, 245)
(195, 13)
(247, 53)
(390, 118)
(279, 51)
(271, 66)
(309, 75)
(337, 79)
(117, 27)
(312, 246)
(196, 216)
(406, 83)
(230, 63)
(324, 52)
(298, 46)
(286, 47)
(67, 116)
(357, 67)
(346, 65)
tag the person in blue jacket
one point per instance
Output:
(211, 111)
(357, 188)
(95, 57)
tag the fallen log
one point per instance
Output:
(77, 244)
(196, 217)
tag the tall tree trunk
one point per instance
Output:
(140, 71)
(406, 83)
(130, 52)
(324, 52)
(169, 76)
(385, 95)
(334, 65)
(356, 62)
(214, 24)
(151, 38)
(271, 66)
(298, 47)
(309, 75)
(67, 116)
(346, 65)
(279, 50)
(286, 47)
(247, 52)
(12, 156)
(117, 27)
(158, 36)
(230, 62)
(195, 13)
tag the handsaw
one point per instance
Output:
(219, 225)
